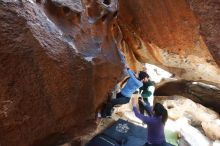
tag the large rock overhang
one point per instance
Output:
(179, 36)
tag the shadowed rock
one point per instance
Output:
(55, 70)
(200, 93)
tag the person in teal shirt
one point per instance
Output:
(147, 94)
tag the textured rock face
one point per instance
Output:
(181, 36)
(56, 62)
(200, 93)
(198, 116)
(208, 14)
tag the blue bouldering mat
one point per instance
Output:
(124, 132)
(121, 133)
(102, 140)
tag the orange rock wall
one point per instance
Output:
(170, 34)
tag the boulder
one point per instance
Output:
(181, 37)
(211, 129)
(192, 135)
(204, 119)
(204, 94)
(56, 69)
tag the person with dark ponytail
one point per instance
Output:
(155, 123)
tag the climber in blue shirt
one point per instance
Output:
(124, 96)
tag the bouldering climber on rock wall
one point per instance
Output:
(123, 97)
